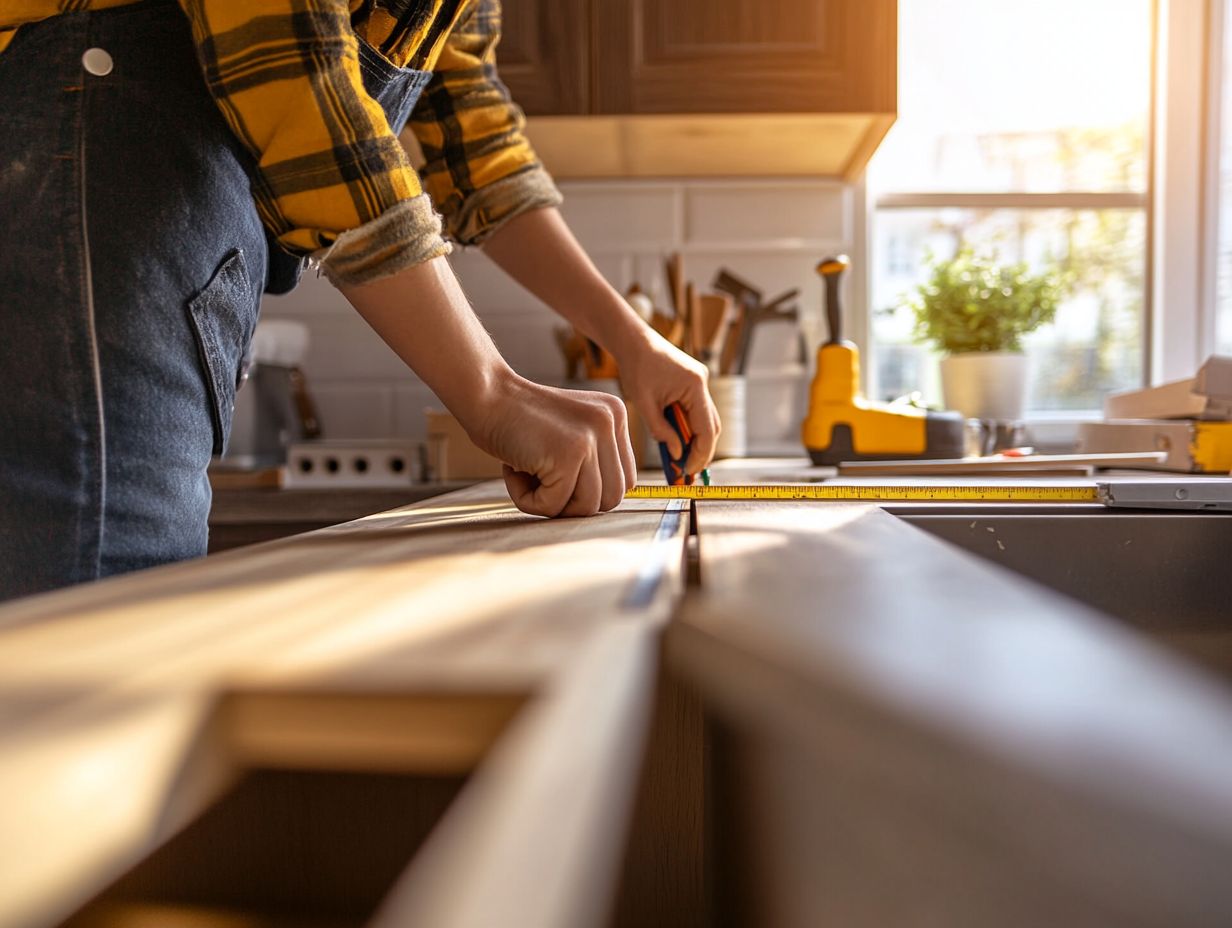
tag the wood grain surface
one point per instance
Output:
(130, 704)
(912, 733)
(854, 723)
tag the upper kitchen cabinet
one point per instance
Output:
(703, 87)
(544, 55)
(744, 56)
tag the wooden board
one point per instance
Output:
(246, 517)
(890, 713)
(995, 753)
(563, 785)
(248, 506)
(1035, 464)
(127, 705)
(137, 915)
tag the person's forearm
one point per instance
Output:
(565, 452)
(538, 250)
(422, 314)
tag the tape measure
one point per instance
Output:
(943, 494)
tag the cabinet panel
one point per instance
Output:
(751, 56)
(543, 55)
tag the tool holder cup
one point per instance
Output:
(730, 395)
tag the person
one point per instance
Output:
(164, 164)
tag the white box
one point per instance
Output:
(1206, 396)
(357, 464)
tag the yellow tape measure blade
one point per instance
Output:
(884, 493)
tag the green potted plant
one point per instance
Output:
(977, 310)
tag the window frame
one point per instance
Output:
(1180, 202)
(1185, 177)
(1215, 65)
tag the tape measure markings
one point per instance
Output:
(892, 493)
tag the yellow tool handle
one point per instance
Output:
(985, 494)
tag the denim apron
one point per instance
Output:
(132, 263)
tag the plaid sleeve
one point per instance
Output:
(285, 74)
(479, 167)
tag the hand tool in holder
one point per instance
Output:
(752, 311)
(842, 425)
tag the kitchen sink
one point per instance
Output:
(1167, 574)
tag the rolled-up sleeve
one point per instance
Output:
(330, 174)
(479, 167)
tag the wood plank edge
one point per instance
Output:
(426, 733)
(536, 838)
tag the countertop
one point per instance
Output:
(246, 516)
(259, 505)
(457, 635)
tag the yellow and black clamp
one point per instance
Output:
(842, 425)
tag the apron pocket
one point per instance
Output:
(223, 316)
(396, 89)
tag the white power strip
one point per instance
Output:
(354, 464)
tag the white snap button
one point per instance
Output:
(97, 62)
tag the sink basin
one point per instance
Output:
(1169, 575)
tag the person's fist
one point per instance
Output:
(565, 452)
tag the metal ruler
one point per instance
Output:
(821, 491)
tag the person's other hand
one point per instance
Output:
(654, 374)
(565, 452)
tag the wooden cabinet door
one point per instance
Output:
(745, 56)
(543, 56)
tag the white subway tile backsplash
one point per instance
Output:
(344, 347)
(648, 273)
(803, 213)
(616, 268)
(611, 217)
(411, 399)
(527, 342)
(314, 296)
(490, 289)
(353, 411)
(777, 346)
(776, 408)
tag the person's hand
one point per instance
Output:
(654, 374)
(565, 452)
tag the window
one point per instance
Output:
(1023, 130)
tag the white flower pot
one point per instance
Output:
(986, 384)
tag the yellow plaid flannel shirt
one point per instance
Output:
(332, 179)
